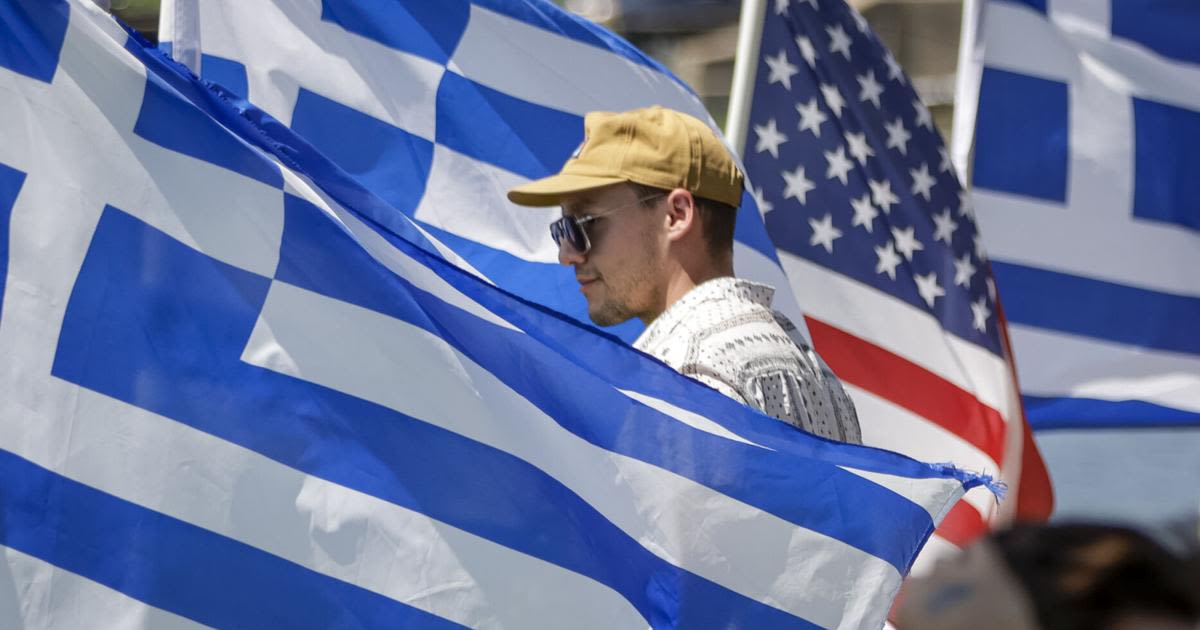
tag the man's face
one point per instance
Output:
(621, 275)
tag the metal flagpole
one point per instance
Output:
(745, 65)
(966, 89)
(180, 23)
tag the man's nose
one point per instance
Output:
(568, 255)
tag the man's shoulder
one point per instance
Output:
(742, 338)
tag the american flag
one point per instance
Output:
(874, 231)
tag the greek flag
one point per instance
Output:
(441, 107)
(239, 389)
(1084, 120)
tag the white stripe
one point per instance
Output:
(1058, 364)
(1148, 477)
(689, 418)
(900, 329)
(1099, 175)
(1015, 50)
(927, 493)
(1145, 254)
(286, 45)
(1019, 39)
(886, 425)
(36, 594)
(364, 354)
(466, 197)
(1082, 14)
(556, 71)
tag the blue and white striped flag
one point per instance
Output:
(1084, 118)
(441, 107)
(239, 390)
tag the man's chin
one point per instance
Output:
(606, 316)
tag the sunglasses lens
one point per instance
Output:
(556, 232)
(566, 228)
(577, 237)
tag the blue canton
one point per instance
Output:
(853, 176)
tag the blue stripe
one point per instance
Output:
(32, 33)
(10, 185)
(176, 566)
(1095, 308)
(1045, 413)
(516, 135)
(641, 433)
(132, 331)
(1168, 27)
(387, 160)
(427, 29)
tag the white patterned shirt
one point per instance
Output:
(724, 334)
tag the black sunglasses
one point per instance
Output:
(571, 229)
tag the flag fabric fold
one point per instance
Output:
(239, 391)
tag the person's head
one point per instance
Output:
(1100, 577)
(649, 202)
(1055, 577)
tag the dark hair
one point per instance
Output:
(1087, 577)
(718, 219)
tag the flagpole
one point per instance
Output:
(966, 89)
(745, 66)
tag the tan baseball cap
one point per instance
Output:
(653, 146)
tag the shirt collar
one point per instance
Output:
(713, 290)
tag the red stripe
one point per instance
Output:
(962, 525)
(904, 383)
(1035, 495)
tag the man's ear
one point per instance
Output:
(682, 215)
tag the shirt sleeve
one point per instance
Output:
(815, 403)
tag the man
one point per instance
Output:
(649, 201)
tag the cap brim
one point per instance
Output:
(549, 191)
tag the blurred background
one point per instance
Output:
(696, 40)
